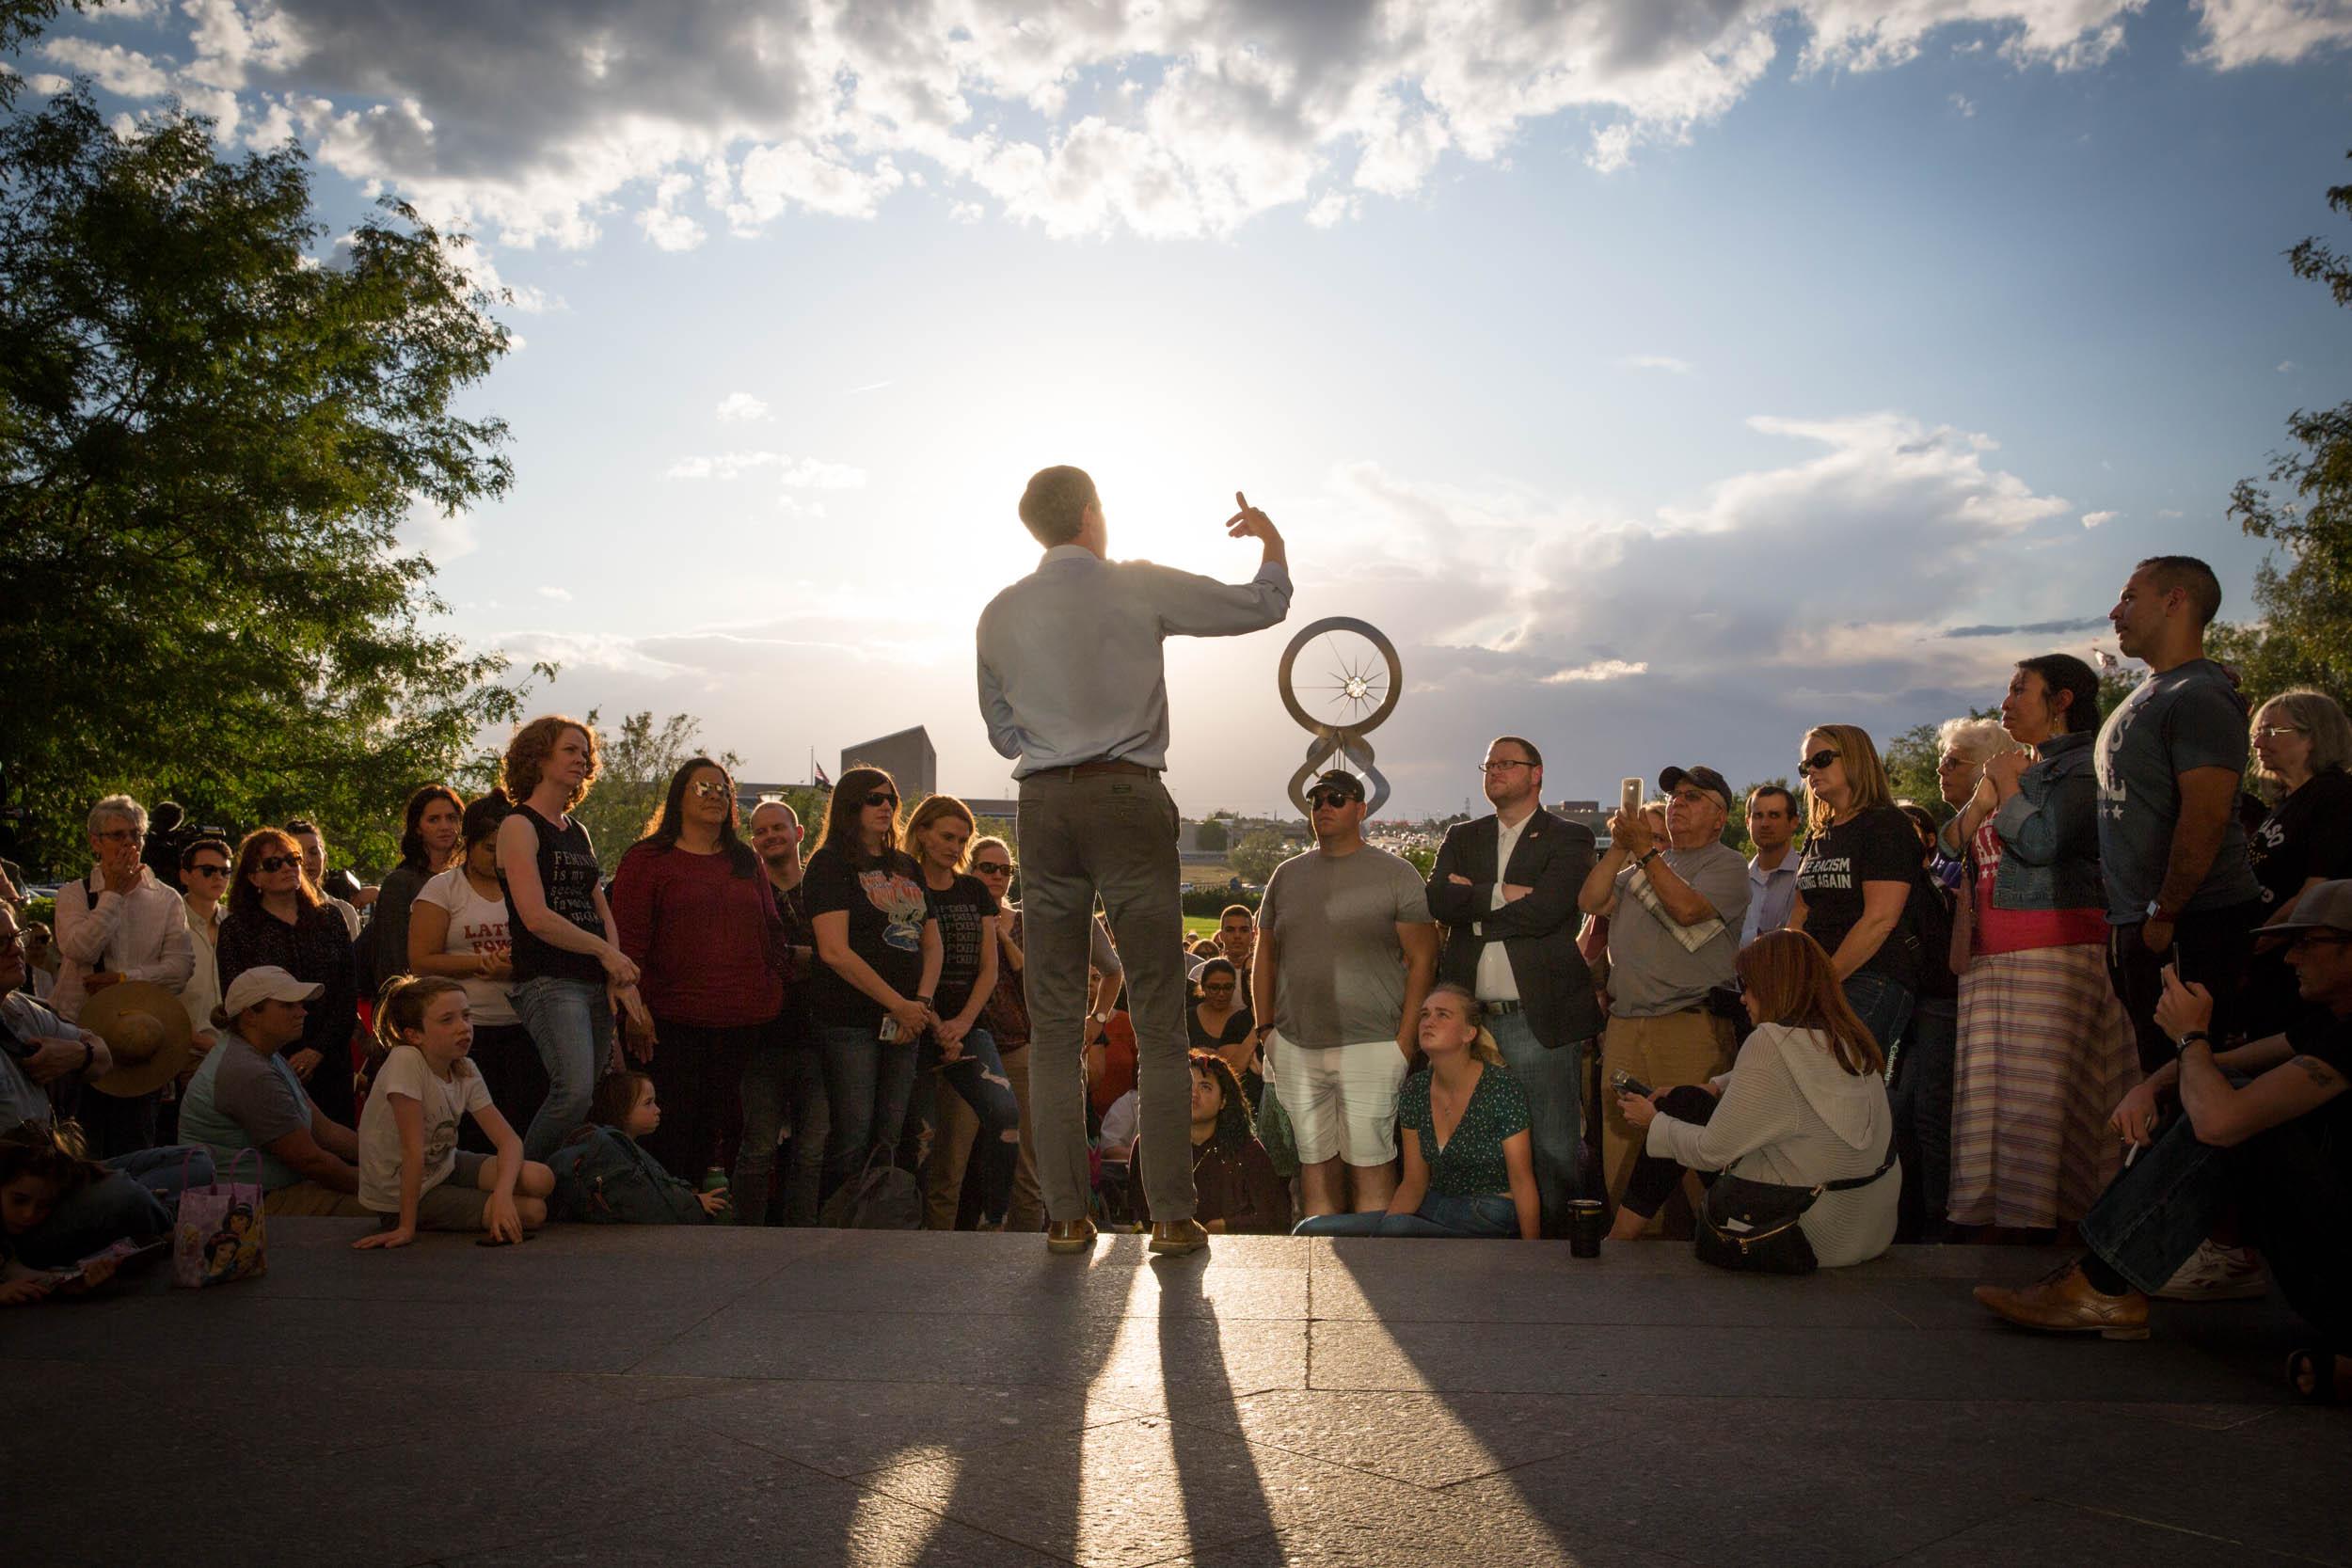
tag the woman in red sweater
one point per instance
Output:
(696, 916)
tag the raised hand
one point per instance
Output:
(1249, 523)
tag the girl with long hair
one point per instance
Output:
(877, 962)
(432, 830)
(697, 917)
(460, 929)
(1804, 1103)
(960, 1049)
(1468, 1147)
(277, 917)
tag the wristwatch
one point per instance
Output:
(1647, 855)
(2158, 913)
(2195, 1036)
(1102, 1018)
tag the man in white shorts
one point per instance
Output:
(1347, 952)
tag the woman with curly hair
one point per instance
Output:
(569, 970)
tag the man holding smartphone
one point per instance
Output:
(1072, 685)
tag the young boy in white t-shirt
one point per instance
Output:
(411, 1171)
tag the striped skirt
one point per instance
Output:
(2045, 1053)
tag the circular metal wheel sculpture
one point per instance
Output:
(1341, 679)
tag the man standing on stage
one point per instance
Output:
(1072, 685)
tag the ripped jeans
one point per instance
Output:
(978, 1074)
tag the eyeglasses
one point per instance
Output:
(992, 868)
(2317, 938)
(711, 789)
(276, 863)
(116, 836)
(2272, 731)
(1223, 987)
(1817, 761)
(209, 868)
(1334, 798)
(1945, 765)
(1499, 767)
(881, 798)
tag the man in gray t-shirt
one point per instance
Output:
(2170, 760)
(1347, 953)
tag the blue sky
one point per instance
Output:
(1663, 376)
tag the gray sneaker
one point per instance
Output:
(2217, 1274)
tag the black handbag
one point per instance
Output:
(1755, 1226)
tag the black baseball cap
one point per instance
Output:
(1705, 778)
(1341, 779)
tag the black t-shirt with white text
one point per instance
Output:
(1877, 846)
(886, 905)
(2309, 835)
(964, 911)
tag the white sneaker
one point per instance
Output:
(2217, 1274)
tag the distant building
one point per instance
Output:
(906, 756)
(983, 806)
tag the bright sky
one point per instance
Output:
(1663, 375)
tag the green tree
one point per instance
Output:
(2305, 595)
(211, 427)
(1255, 857)
(1213, 836)
(638, 760)
(1910, 761)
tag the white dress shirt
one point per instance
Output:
(1070, 662)
(1496, 983)
(142, 935)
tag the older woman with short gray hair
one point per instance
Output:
(2302, 748)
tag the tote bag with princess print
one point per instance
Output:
(218, 1236)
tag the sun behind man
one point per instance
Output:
(1073, 688)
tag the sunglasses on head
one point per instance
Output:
(1335, 798)
(992, 868)
(1818, 761)
(276, 863)
(881, 798)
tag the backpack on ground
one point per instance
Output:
(880, 1198)
(603, 1178)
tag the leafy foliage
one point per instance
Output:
(208, 440)
(1255, 857)
(639, 758)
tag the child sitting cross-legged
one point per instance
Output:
(411, 1171)
(603, 1177)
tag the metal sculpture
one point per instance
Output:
(1352, 681)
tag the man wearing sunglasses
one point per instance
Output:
(204, 873)
(1073, 685)
(2266, 1127)
(1346, 954)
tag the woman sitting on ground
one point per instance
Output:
(1470, 1165)
(1804, 1103)
(1239, 1192)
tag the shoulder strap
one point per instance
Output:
(1852, 1182)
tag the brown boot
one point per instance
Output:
(1179, 1235)
(1069, 1236)
(2066, 1304)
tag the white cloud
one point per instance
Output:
(2168, 512)
(561, 595)
(1179, 118)
(794, 473)
(2094, 519)
(2287, 367)
(1965, 104)
(439, 537)
(1656, 362)
(1599, 669)
(741, 408)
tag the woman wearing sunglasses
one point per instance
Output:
(277, 917)
(697, 917)
(1853, 887)
(878, 962)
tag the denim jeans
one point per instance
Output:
(1884, 1007)
(512, 1071)
(867, 1085)
(1554, 1082)
(978, 1074)
(1488, 1215)
(784, 1088)
(137, 1198)
(571, 1023)
(1655, 1175)
(2212, 947)
(1922, 1097)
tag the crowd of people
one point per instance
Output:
(2103, 998)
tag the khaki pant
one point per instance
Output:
(1688, 1047)
(943, 1178)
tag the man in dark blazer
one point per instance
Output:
(1504, 887)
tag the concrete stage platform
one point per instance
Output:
(705, 1398)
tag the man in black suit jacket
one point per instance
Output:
(1506, 887)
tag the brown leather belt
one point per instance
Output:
(1104, 769)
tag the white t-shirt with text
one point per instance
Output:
(477, 927)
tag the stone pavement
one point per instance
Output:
(717, 1396)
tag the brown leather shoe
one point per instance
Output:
(2067, 1303)
(1069, 1236)
(1178, 1236)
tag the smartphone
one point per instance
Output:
(891, 1033)
(1629, 796)
(1625, 1083)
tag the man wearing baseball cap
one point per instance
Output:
(1346, 954)
(2266, 1126)
(1673, 912)
(247, 1096)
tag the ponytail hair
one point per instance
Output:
(400, 1007)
